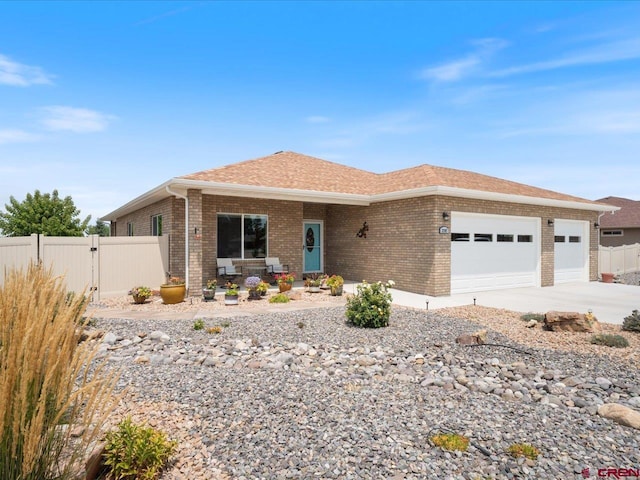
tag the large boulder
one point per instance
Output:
(476, 338)
(571, 322)
(619, 413)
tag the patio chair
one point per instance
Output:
(227, 270)
(274, 266)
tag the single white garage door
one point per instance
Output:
(571, 251)
(490, 252)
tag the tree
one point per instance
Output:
(47, 214)
(100, 228)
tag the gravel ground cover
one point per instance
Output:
(299, 394)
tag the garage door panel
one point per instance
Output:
(489, 265)
(571, 251)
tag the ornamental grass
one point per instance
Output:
(49, 387)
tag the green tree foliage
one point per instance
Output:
(100, 228)
(42, 213)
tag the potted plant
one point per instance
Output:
(251, 284)
(209, 293)
(173, 291)
(323, 285)
(285, 281)
(262, 288)
(231, 295)
(335, 283)
(140, 294)
(314, 281)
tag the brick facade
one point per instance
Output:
(402, 243)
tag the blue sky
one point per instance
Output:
(106, 100)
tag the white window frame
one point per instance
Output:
(242, 216)
(154, 226)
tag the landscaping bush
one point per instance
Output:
(616, 341)
(280, 298)
(198, 324)
(370, 307)
(632, 322)
(523, 450)
(45, 379)
(450, 441)
(135, 452)
(538, 317)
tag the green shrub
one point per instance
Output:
(450, 441)
(46, 379)
(135, 452)
(523, 450)
(279, 298)
(632, 322)
(198, 324)
(527, 317)
(370, 307)
(617, 341)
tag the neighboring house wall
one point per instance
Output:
(630, 236)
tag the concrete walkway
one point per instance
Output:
(609, 302)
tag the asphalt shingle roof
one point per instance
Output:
(293, 170)
(628, 216)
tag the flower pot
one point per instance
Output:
(231, 299)
(284, 286)
(314, 289)
(139, 299)
(208, 294)
(254, 295)
(336, 291)
(172, 294)
(607, 277)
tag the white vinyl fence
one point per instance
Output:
(103, 266)
(617, 260)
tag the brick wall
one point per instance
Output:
(284, 229)
(403, 242)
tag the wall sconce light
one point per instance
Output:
(195, 230)
(445, 216)
(596, 225)
(550, 222)
(362, 233)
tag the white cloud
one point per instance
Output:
(78, 120)
(19, 75)
(317, 119)
(457, 69)
(16, 136)
(628, 49)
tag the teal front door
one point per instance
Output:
(312, 246)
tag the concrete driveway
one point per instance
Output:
(609, 302)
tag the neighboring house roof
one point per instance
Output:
(293, 176)
(627, 217)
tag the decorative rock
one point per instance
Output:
(603, 383)
(159, 336)
(532, 324)
(619, 413)
(570, 322)
(365, 361)
(294, 294)
(109, 338)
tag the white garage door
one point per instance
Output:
(490, 252)
(571, 248)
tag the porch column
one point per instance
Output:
(195, 242)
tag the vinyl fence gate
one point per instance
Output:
(101, 266)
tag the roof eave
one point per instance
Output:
(490, 196)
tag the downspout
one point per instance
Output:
(186, 235)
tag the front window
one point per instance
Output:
(156, 225)
(130, 229)
(242, 236)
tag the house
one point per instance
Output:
(433, 230)
(621, 227)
